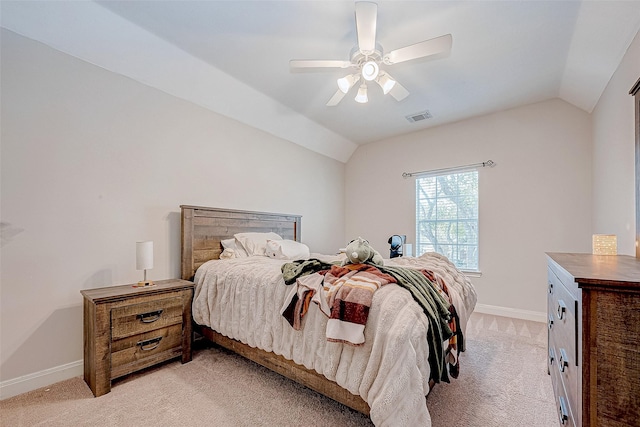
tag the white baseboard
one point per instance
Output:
(535, 316)
(39, 379)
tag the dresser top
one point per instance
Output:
(600, 270)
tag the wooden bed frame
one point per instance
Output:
(202, 231)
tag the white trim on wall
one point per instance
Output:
(40, 379)
(512, 312)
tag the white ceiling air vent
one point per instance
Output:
(419, 116)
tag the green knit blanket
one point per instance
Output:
(435, 307)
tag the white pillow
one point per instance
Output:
(231, 249)
(228, 243)
(254, 243)
(287, 249)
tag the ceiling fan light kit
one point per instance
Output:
(362, 97)
(345, 83)
(386, 83)
(367, 57)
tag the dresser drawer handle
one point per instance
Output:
(562, 309)
(562, 409)
(148, 345)
(150, 317)
(550, 321)
(550, 287)
(552, 356)
(564, 360)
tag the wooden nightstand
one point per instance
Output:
(127, 329)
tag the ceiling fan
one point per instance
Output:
(368, 59)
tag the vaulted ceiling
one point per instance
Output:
(233, 57)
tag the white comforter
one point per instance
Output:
(241, 299)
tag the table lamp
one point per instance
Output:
(605, 244)
(144, 260)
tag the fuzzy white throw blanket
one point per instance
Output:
(241, 298)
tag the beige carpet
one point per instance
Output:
(503, 382)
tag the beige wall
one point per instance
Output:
(537, 199)
(92, 162)
(613, 154)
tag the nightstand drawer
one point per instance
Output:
(139, 351)
(138, 318)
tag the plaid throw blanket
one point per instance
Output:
(343, 294)
(349, 292)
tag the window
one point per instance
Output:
(447, 217)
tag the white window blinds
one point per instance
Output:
(447, 216)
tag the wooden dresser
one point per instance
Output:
(128, 328)
(594, 338)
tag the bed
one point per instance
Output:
(387, 377)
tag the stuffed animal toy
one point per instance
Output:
(359, 251)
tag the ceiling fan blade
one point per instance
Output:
(299, 64)
(366, 17)
(336, 98)
(430, 47)
(399, 92)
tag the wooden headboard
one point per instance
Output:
(204, 228)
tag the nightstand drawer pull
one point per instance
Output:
(150, 317)
(147, 345)
(562, 409)
(562, 309)
(564, 360)
(550, 323)
(550, 287)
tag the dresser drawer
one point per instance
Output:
(563, 408)
(136, 352)
(565, 374)
(138, 318)
(562, 324)
(562, 316)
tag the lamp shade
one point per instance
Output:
(386, 83)
(345, 83)
(362, 97)
(605, 244)
(144, 255)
